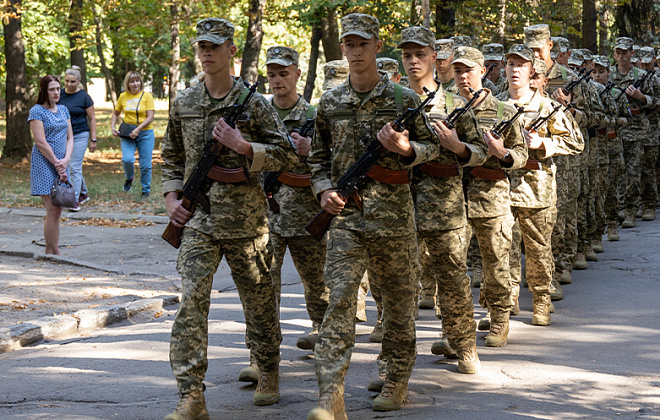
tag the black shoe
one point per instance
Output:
(145, 194)
(127, 185)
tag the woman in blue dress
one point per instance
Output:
(53, 145)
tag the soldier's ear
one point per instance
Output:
(379, 45)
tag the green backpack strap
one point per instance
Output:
(500, 111)
(398, 98)
(244, 95)
(310, 112)
(636, 72)
(449, 101)
(564, 75)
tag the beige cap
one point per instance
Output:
(365, 26)
(587, 54)
(444, 48)
(646, 54)
(284, 56)
(540, 67)
(469, 56)
(461, 41)
(388, 65)
(560, 44)
(536, 36)
(602, 60)
(214, 30)
(335, 73)
(635, 57)
(417, 35)
(522, 51)
(624, 43)
(576, 58)
(493, 51)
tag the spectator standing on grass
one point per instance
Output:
(53, 145)
(138, 107)
(83, 124)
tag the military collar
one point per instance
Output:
(228, 101)
(375, 92)
(299, 109)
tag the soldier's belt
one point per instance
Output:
(439, 170)
(488, 174)
(635, 111)
(388, 176)
(230, 176)
(610, 133)
(533, 165)
(295, 180)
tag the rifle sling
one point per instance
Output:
(388, 176)
(230, 176)
(439, 170)
(295, 180)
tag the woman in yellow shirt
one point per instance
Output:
(136, 132)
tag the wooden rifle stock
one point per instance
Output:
(320, 224)
(173, 233)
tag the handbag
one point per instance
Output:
(63, 194)
(126, 129)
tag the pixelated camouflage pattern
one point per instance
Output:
(565, 233)
(237, 210)
(648, 187)
(537, 35)
(586, 221)
(345, 126)
(600, 188)
(617, 172)
(283, 56)
(360, 24)
(502, 85)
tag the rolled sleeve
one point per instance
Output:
(550, 148)
(476, 156)
(319, 186)
(423, 153)
(258, 157)
(174, 185)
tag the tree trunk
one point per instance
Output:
(330, 36)
(603, 18)
(111, 90)
(589, 25)
(75, 39)
(255, 34)
(445, 19)
(176, 53)
(426, 14)
(18, 142)
(313, 61)
(413, 13)
(501, 20)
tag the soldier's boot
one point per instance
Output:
(468, 361)
(629, 222)
(468, 262)
(523, 278)
(250, 373)
(556, 292)
(640, 212)
(376, 335)
(589, 253)
(477, 275)
(580, 261)
(307, 342)
(427, 301)
(499, 328)
(268, 388)
(329, 407)
(597, 246)
(648, 215)
(612, 233)
(438, 311)
(361, 314)
(392, 397)
(484, 323)
(515, 293)
(621, 216)
(551, 308)
(192, 406)
(566, 277)
(442, 348)
(541, 304)
(376, 385)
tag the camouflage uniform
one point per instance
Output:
(494, 52)
(381, 236)
(444, 48)
(235, 228)
(649, 189)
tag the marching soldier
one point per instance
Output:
(494, 56)
(649, 192)
(443, 69)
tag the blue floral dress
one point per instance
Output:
(42, 172)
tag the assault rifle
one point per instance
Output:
(192, 190)
(271, 183)
(637, 83)
(608, 87)
(451, 120)
(489, 68)
(499, 130)
(583, 74)
(347, 184)
(540, 121)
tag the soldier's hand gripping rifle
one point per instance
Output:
(271, 182)
(607, 89)
(638, 83)
(194, 186)
(347, 184)
(501, 128)
(489, 68)
(535, 125)
(452, 118)
(570, 86)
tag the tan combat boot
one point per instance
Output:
(307, 342)
(468, 361)
(484, 323)
(597, 246)
(427, 301)
(580, 262)
(629, 222)
(376, 335)
(640, 212)
(515, 309)
(268, 388)
(589, 253)
(556, 292)
(442, 348)
(477, 275)
(541, 303)
(612, 233)
(392, 397)
(499, 328)
(329, 407)
(566, 277)
(250, 373)
(192, 406)
(648, 215)
(376, 385)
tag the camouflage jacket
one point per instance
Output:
(345, 126)
(488, 198)
(502, 85)
(440, 201)
(450, 87)
(537, 188)
(297, 204)
(652, 113)
(639, 123)
(490, 86)
(237, 210)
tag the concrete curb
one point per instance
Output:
(85, 320)
(85, 215)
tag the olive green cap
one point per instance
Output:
(540, 67)
(365, 26)
(388, 65)
(576, 58)
(417, 35)
(444, 48)
(522, 51)
(335, 73)
(587, 54)
(493, 51)
(469, 56)
(214, 30)
(559, 44)
(646, 54)
(536, 36)
(284, 56)
(624, 43)
(461, 41)
(602, 60)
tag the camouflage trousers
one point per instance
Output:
(428, 277)
(649, 188)
(534, 227)
(392, 260)
(473, 251)
(249, 260)
(308, 255)
(585, 207)
(564, 236)
(632, 159)
(616, 175)
(494, 236)
(448, 253)
(600, 189)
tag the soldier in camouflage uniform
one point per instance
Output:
(487, 186)
(533, 188)
(236, 226)
(649, 189)
(291, 201)
(443, 69)
(634, 60)
(494, 54)
(624, 75)
(335, 73)
(391, 67)
(376, 233)
(559, 51)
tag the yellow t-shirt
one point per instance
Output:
(129, 103)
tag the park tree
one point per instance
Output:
(76, 39)
(255, 34)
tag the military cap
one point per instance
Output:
(540, 67)
(560, 44)
(388, 65)
(602, 60)
(335, 72)
(444, 47)
(284, 56)
(469, 56)
(576, 58)
(536, 36)
(493, 51)
(417, 35)
(587, 54)
(461, 41)
(624, 43)
(365, 26)
(522, 51)
(214, 30)
(646, 54)
(635, 57)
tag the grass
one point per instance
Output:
(102, 171)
